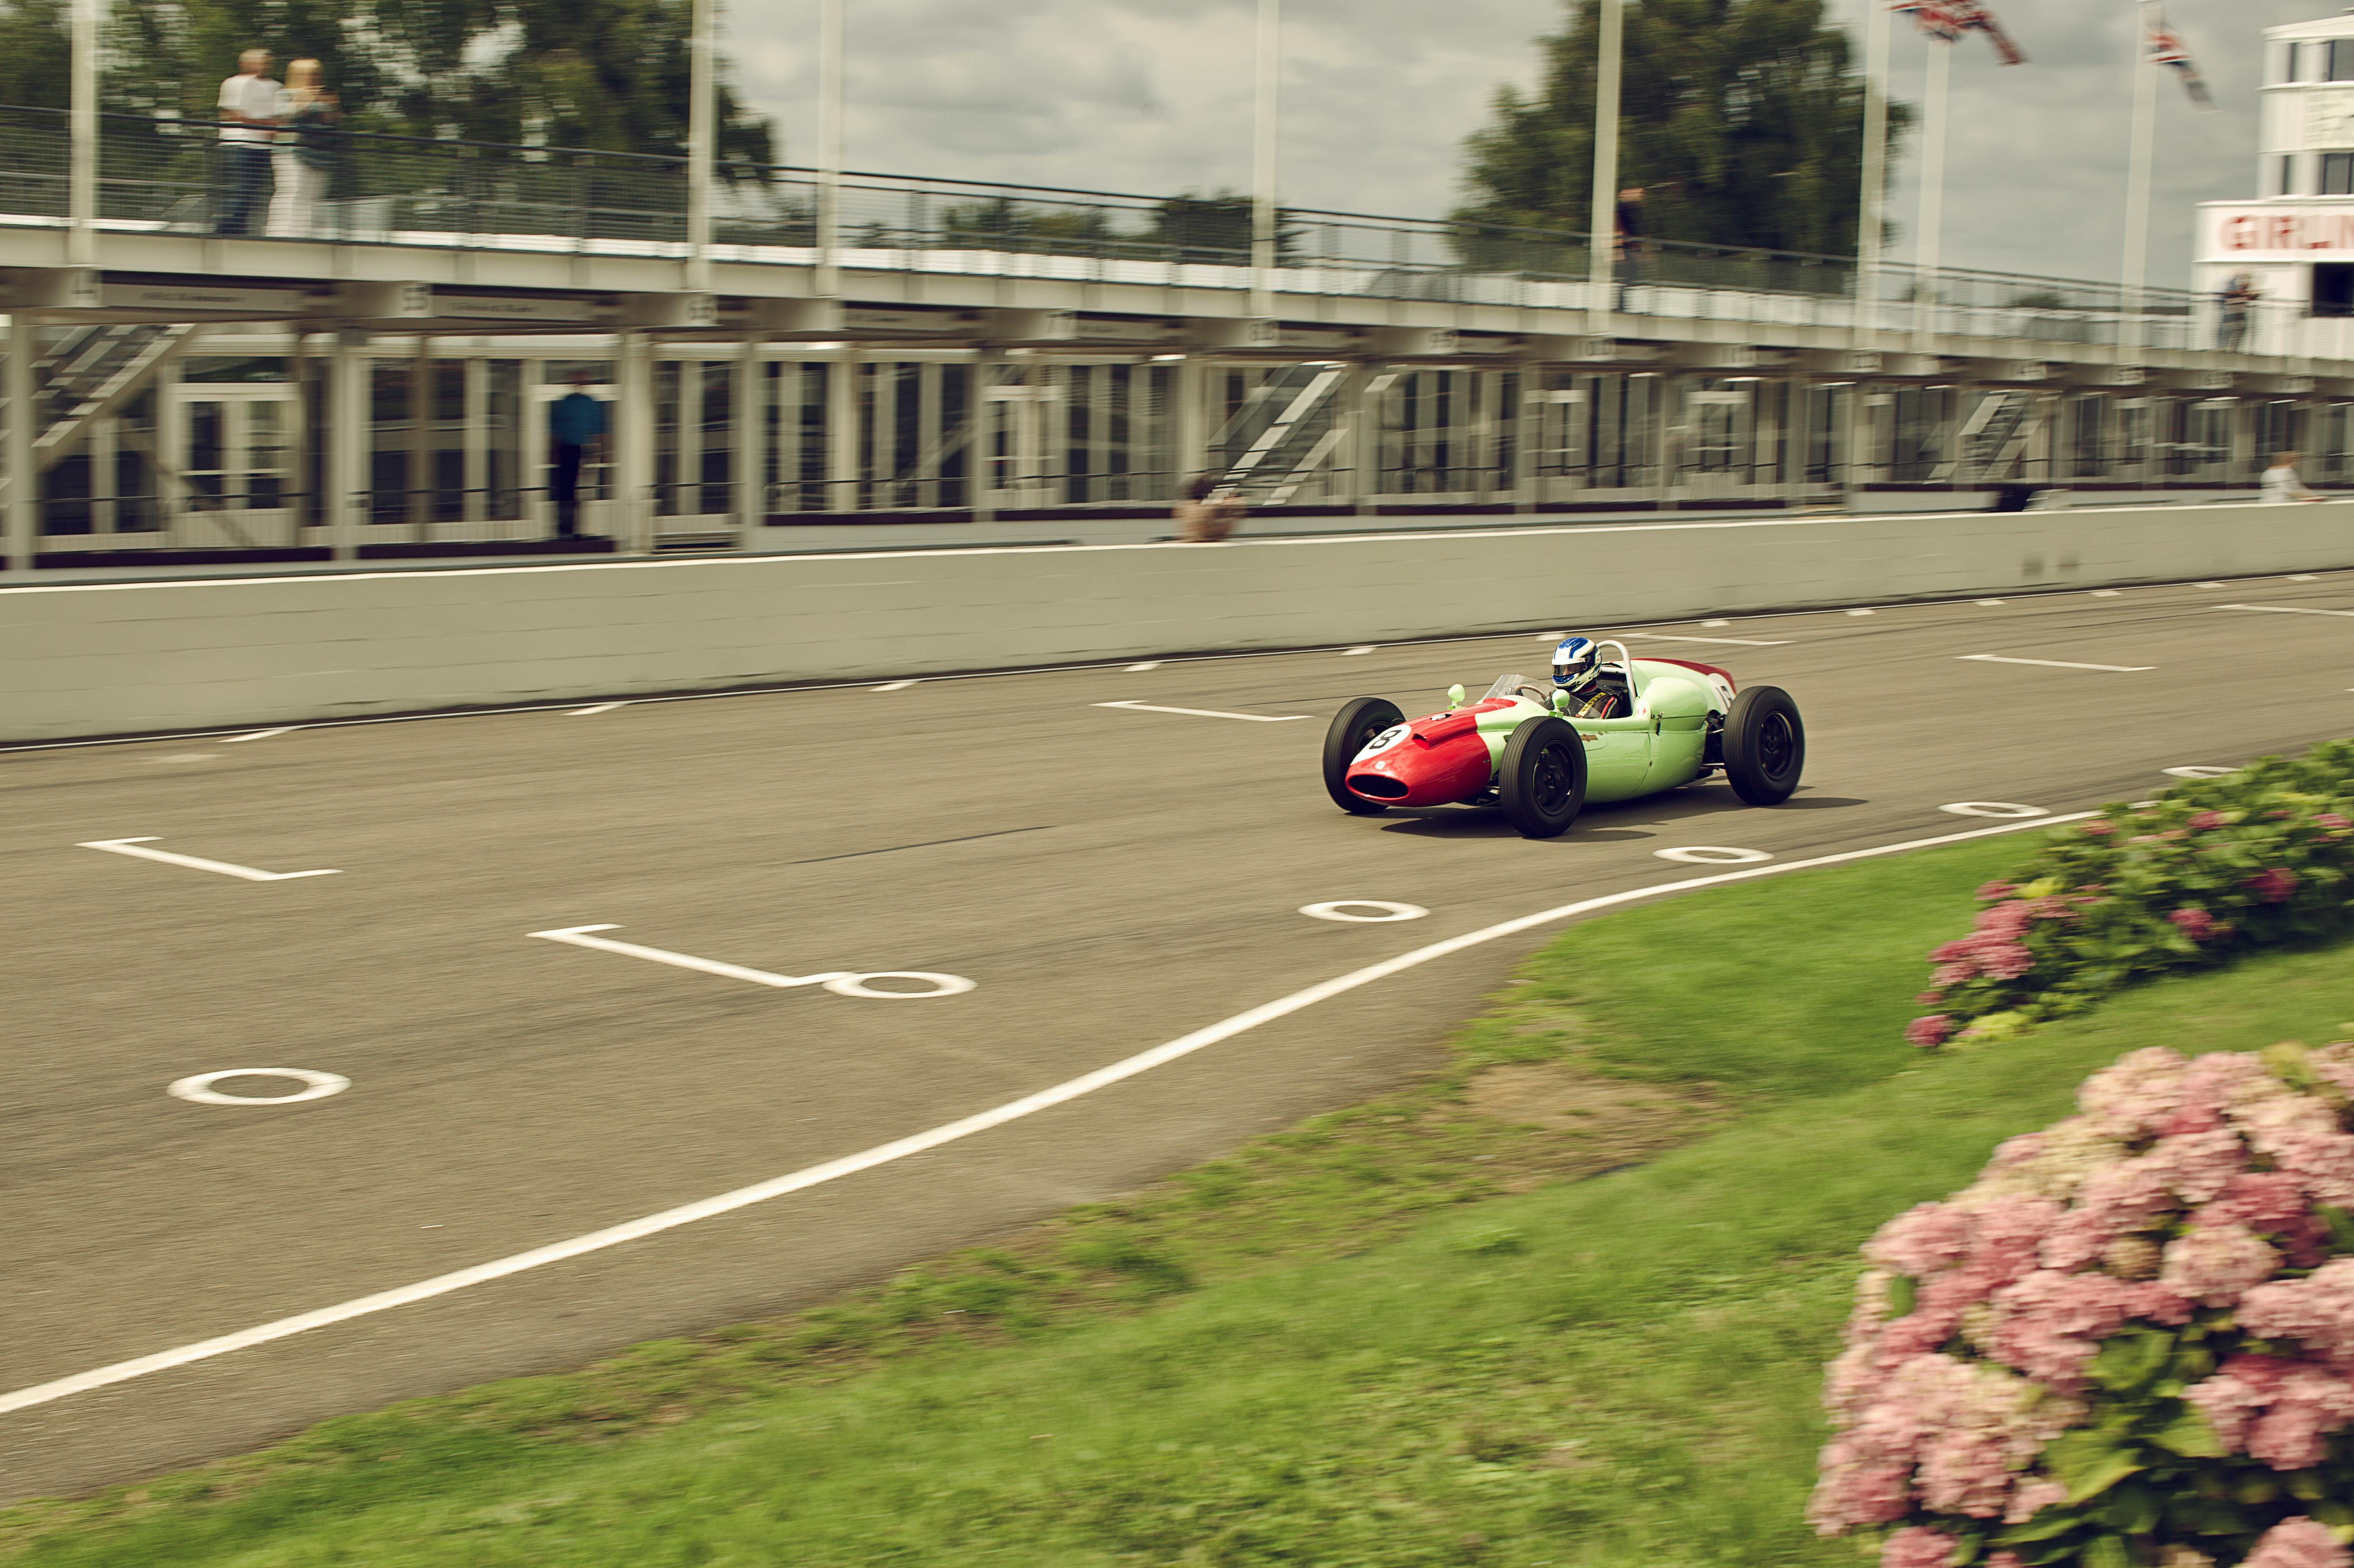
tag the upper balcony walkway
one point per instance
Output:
(435, 235)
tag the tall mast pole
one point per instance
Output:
(1933, 196)
(82, 200)
(1870, 218)
(1266, 126)
(831, 47)
(699, 128)
(2145, 136)
(1602, 244)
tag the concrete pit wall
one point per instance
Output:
(123, 658)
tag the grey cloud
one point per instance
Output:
(1154, 96)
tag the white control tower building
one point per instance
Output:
(2295, 242)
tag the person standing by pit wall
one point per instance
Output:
(576, 432)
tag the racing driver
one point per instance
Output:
(1594, 691)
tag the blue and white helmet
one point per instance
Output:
(1576, 657)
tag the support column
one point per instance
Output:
(1366, 436)
(752, 469)
(24, 525)
(1528, 419)
(347, 427)
(980, 449)
(700, 115)
(842, 430)
(633, 447)
(420, 440)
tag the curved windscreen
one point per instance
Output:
(1509, 686)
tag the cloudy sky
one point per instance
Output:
(1153, 96)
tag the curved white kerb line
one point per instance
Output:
(2006, 809)
(2199, 772)
(885, 1153)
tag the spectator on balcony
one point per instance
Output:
(576, 431)
(1628, 241)
(248, 121)
(2238, 298)
(303, 158)
(1205, 516)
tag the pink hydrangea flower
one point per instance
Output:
(2316, 1312)
(2299, 1543)
(2098, 830)
(2273, 886)
(2213, 1266)
(1989, 892)
(1929, 1032)
(2194, 923)
(1922, 1548)
(2279, 1411)
(2204, 822)
(2333, 821)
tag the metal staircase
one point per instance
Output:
(1995, 437)
(1285, 430)
(88, 373)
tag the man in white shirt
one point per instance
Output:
(250, 105)
(2282, 484)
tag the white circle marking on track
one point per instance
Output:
(2199, 772)
(1389, 911)
(2006, 809)
(942, 985)
(1713, 855)
(316, 1086)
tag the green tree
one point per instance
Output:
(1742, 119)
(34, 53)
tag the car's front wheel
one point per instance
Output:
(1541, 782)
(1764, 746)
(1354, 728)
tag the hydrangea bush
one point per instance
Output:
(2131, 1342)
(2213, 867)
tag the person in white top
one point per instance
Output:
(249, 111)
(2282, 484)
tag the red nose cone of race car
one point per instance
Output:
(1442, 761)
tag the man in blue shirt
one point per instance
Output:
(576, 430)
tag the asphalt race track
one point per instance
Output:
(1109, 878)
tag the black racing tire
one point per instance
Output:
(1542, 780)
(1764, 746)
(1354, 728)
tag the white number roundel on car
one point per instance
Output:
(1383, 741)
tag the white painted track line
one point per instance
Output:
(1727, 641)
(1207, 712)
(247, 873)
(2058, 663)
(259, 735)
(2286, 609)
(895, 685)
(955, 1131)
(1355, 653)
(1140, 669)
(578, 937)
(599, 708)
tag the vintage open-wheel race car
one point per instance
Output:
(1606, 729)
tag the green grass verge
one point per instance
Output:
(1392, 1336)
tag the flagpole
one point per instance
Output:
(1933, 196)
(1870, 220)
(1266, 124)
(2138, 182)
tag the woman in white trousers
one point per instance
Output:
(302, 162)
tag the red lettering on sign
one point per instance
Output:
(2236, 234)
(2285, 231)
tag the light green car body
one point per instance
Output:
(1661, 746)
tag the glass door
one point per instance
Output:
(236, 479)
(1019, 450)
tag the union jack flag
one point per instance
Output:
(2166, 48)
(1950, 19)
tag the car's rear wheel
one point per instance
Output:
(1764, 746)
(1541, 783)
(1354, 728)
